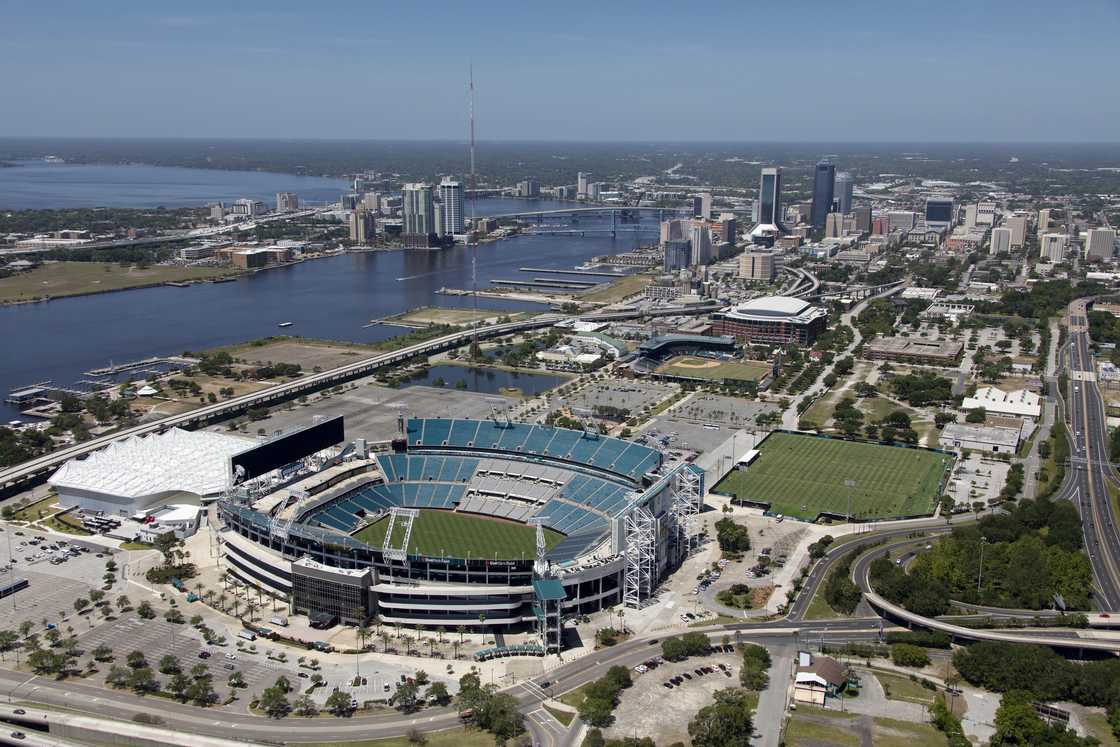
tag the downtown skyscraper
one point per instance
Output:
(451, 200)
(824, 186)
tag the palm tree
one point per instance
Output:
(363, 635)
(224, 578)
(222, 598)
(251, 606)
(385, 640)
(236, 604)
(460, 630)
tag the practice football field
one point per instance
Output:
(804, 476)
(449, 534)
(706, 368)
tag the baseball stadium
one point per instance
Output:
(488, 524)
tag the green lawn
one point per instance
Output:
(899, 687)
(705, 368)
(889, 732)
(446, 533)
(804, 476)
(810, 726)
(564, 717)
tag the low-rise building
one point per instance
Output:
(947, 310)
(1020, 403)
(914, 350)
(818, 678)
(979, 437)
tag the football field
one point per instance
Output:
(804, 476)
(714, 370)
(448, 534)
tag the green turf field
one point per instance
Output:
(706, 368)
(804, 476)
(446, 533)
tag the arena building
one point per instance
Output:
(142, 472)
(772, 319)
(480, 523)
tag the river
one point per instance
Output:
(328, 298)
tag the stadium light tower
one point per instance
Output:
(540, 565)
(851, 486)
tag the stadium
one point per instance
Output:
(486, 524)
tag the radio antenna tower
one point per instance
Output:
(474, 218)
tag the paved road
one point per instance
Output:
(1091, 469)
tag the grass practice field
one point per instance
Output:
(448, 534)
(705, 368)
(57, 279)
(804, 476)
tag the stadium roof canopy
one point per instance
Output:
(176, 461)
(776, 308)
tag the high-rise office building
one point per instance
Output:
(529, 188)
(939, 211)
(824, 186)
(863, 218)
(248, 207)
(706, 205)
(451, 197)
(757, 266)
(834, 226)
(1052, 247)
(349, 201)
(583, 178)
(728, 229)
(970, 216)
(437, 217)
(1018, 225)
(697, 206)
(845, 184)
(901, 220)
(1000, 241)
(217, 210)
(700, 237)
(770, 197)
(678, 253)
(418, 214)
(362, 226)
(1100, 243)
(1044, 220)
(593, 190)
(287, 202)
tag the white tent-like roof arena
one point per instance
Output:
(138, 472)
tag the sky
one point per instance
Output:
(780, 70)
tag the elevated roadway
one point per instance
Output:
(13, 477)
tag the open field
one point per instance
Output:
(56, 279)
(440, 533)
(804, 476)
(300, 351)
(899, 687)
(618, 289)
(706, 368)
(437, 315)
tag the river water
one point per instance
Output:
(328, 298)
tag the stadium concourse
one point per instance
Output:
(487, 524)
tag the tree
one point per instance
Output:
(406, 697)
(123, 603)
(236, 679)
(274, 702)
(145, 610)
(8, 640)
(117, 677)
(80, 604)
(142, 680)
(437, 693)
(178, 685)
(136, 659)
(338, 703)
(909, 655)
(201, 692)
(102, 653)
(305, 706)
(725, 723)
(168, 664)
(979, 415)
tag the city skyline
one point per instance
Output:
(564, 73)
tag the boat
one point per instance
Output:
(285, 324)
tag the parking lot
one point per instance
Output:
(650, 707)
(631, 396)
(371, 410)
(157, 638)
(720, 410)
(977, 478)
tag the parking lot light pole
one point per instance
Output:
(980, 570)
(851, 486)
